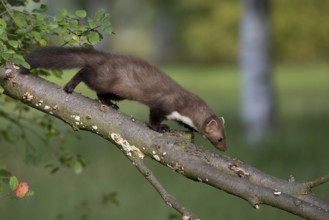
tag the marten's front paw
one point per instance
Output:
(68, 89)
(159, 128)
(114, 106)
(110, 104)
(164, 128)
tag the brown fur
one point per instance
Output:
(117, 77)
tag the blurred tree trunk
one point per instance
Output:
(164, 30)
(257, 90)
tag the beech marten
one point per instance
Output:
(117, 77)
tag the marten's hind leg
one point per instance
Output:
(107, 99)
(77, 78)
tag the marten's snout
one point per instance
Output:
(221, 145)
(218, 140)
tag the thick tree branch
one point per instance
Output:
(192, 161)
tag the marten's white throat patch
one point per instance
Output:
(178, 117)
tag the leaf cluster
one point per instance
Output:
(22, 29)
(75, 162)
(10, 181)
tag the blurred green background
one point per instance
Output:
(201, 54)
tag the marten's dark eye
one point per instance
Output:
(220, 140)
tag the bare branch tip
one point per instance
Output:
(254, 201)
(188, 217)
(317, 182)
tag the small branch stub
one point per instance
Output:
(238, 170)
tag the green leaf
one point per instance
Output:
(29, 193)
(92, 23)
(81, 13)
(54, 170)
(62, 12)
(43, 42)
(7, 54)
(100, 13)
(2, 165)
(2, 32)
(36, 35)
(19, 59)
(111, 198)
(17, 2)
(4, 175)
(13, 183)
(41, 72)
(52, 26)
(42, 8)
(93, 37)
(108, 29)
(20, 20)
(57, 73)
(3, 23)
(13, 43)
(77, 167)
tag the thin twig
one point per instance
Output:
(7, 10)
(168, 198)
(317, 182)
(136, 156)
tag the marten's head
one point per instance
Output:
(214, 131)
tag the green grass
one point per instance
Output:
(299, 147)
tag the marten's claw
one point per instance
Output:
(68, 89)
(114, 106)
(161, 128)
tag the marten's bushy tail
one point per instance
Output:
(64, 57)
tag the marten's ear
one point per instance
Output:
(222, 119)
(211, 126)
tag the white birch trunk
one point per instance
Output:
(257, 91)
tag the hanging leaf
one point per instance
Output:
(4, 175)
(3, 23)
(13, 43)
(42, 8)
(19, 59)
(13, 183)
(81, 13)
(93, 37)
(17, 2)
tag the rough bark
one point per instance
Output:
(136, 140)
